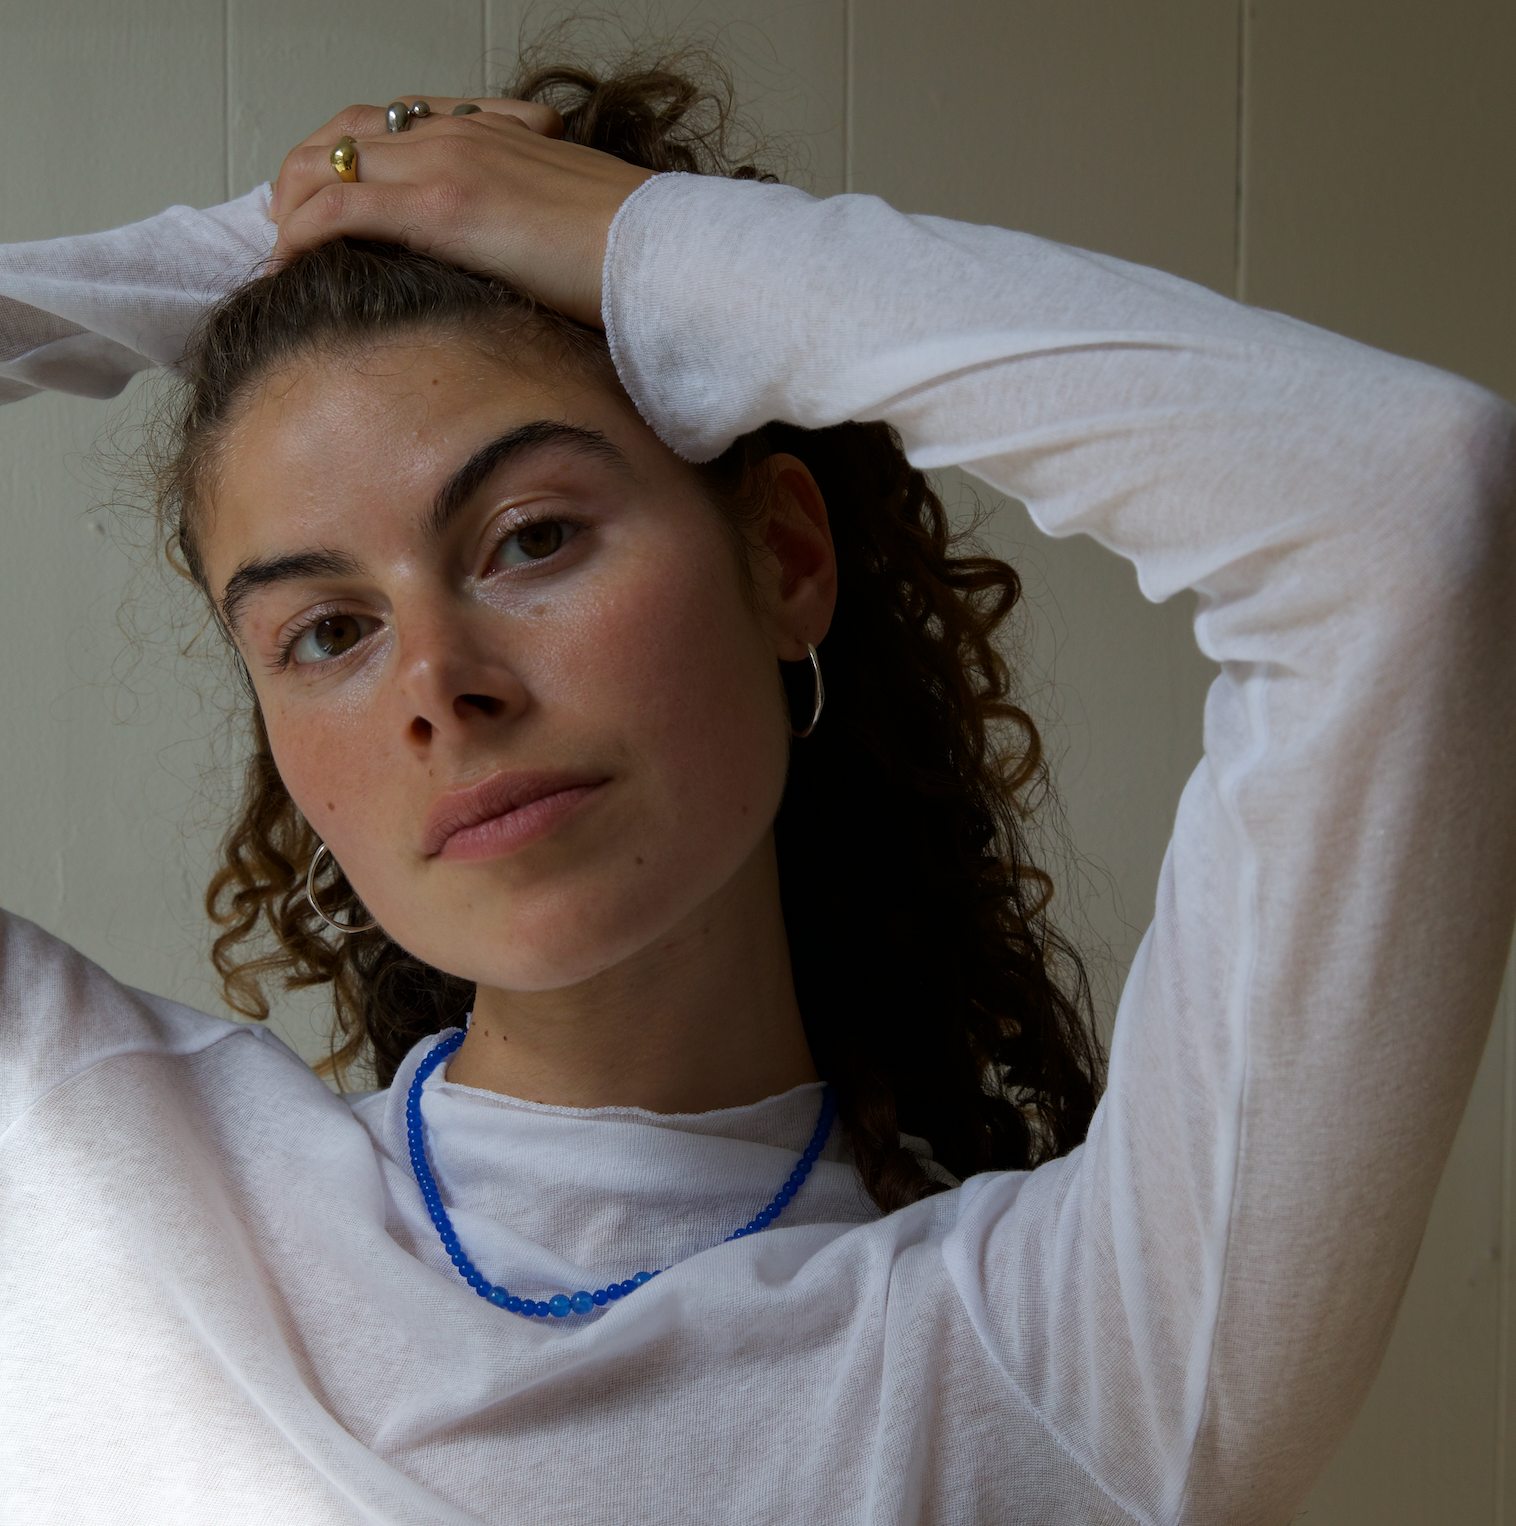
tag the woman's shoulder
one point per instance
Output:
(61, 1014)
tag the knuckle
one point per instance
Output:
(355, 120)
(441, 201)
(329, 206)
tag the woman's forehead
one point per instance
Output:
(346, 441)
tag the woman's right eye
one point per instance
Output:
(328, 638)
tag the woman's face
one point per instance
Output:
(509, 667)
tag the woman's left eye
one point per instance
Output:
(532, 543)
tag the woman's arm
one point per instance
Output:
(85, 314)
(1196, 1301)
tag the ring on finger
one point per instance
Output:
(399, 115)
(344, 159)
(465, 109)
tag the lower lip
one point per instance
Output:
(515, 829)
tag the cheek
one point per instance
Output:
(673, 659)
(338, 761)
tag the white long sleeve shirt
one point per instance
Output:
(221, 1298)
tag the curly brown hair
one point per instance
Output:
(938, 999)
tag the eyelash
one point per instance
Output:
(512, 528)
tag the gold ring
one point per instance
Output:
(344, 159)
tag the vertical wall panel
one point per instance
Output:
(1380, 201)
(1112, 127)
(1505, 1399)
(292, 65)
(1097, 123)
(1381, 188)
(112, 114)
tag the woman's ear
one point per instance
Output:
(799, 538)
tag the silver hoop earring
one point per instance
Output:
(820, 694)
(310, 895)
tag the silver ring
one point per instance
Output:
(310, 895)
(820, 694)
(420, 109)
(465, 109)
(397, 116)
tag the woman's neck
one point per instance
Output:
(703, 1018)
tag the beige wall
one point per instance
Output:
(1351, 163)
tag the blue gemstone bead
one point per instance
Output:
(763, 1218)
(642, 1277)
(581, 1302)
(601, 1297)
(482, 1288)
(474, 1279)
(614, 1291)
(558, 1304)
(542, 1310)
(499, 1297)
(513, 1305)
(528, 1307)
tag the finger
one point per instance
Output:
(298, 176)
(541, 119)
(418, 157)
(386, 214)
(455, 154)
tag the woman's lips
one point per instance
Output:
(503, 813)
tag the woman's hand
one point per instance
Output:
(495, 191)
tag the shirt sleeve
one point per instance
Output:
(1195, 1301)
(84, 314)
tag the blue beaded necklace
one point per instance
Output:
(561, 1305)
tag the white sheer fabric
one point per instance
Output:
(220, 1297)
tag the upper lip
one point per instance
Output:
(492, 797)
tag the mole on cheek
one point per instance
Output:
(331, 805)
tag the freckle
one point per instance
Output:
(331, 805)
(639, 860)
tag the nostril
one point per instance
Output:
(421, 729)
(485, 704)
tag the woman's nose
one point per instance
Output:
(453, 680)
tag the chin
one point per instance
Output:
(542, 950)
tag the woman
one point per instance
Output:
(517, 671)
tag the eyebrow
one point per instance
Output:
(454, 494)
(264, 571)
(474, 472)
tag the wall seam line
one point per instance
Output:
(1240, 205)
(226, 98)
(847, 95)
(1507, 1020)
